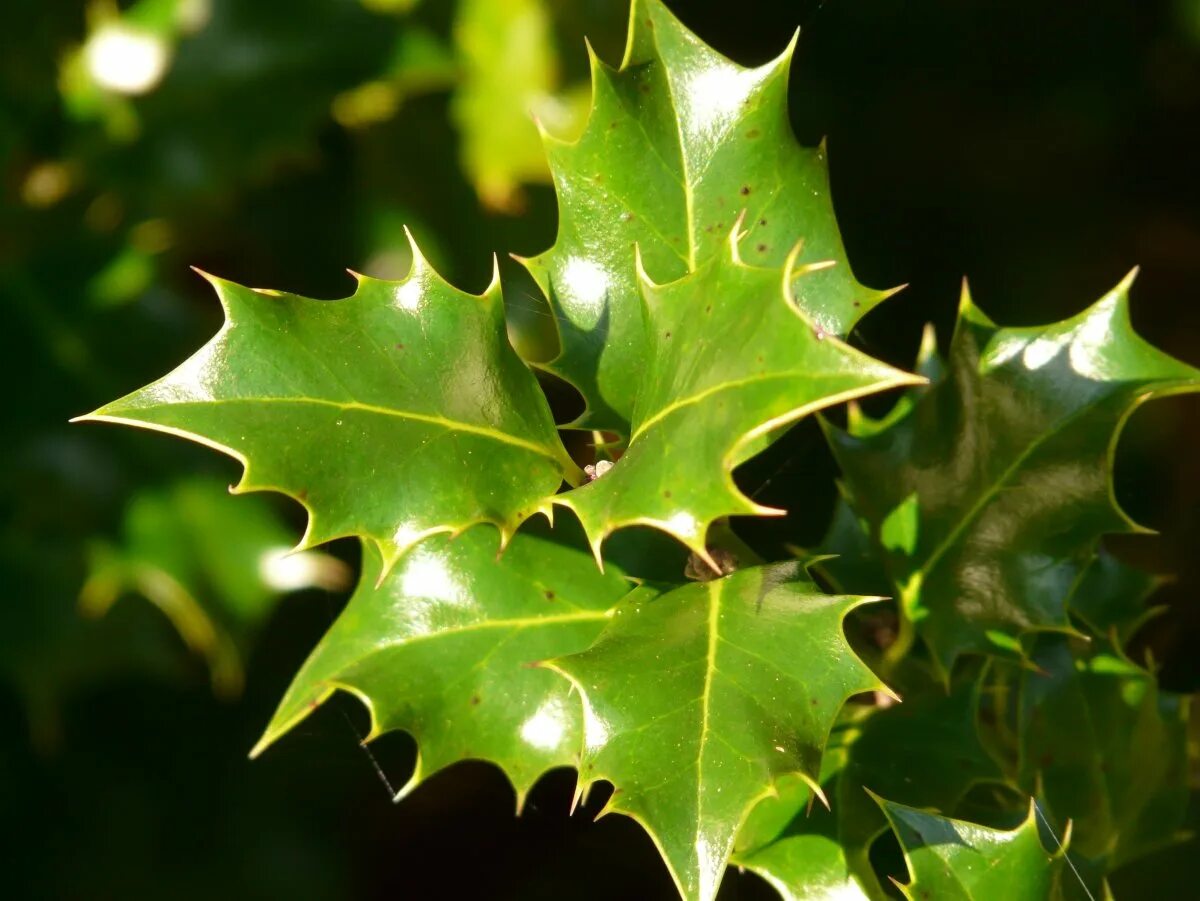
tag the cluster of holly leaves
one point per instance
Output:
(949, 668)
(138, 136)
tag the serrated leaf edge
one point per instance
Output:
(772, 790)
(391, 550)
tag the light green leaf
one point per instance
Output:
(732, 362)
(1009, 458)
(680, 140)
(697, 702)
(793, 843)
(392, 415)
(924, 751)
(509, 76)
(1107, 749)
(442, 648)
(952, 860)
(214, 567)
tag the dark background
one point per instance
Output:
(1039, 149)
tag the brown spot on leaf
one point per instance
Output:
(475, 700)
(549, 595)
(666, 334)
(762, 248)
(753, 133)
(745, 190)
(762, 221)
(667, 495)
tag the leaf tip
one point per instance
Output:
(419, 263)
(207, 276)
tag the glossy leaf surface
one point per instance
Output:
(986, 497)
(393, 414)
(804, 859)
(952, 860)
(442, 648)
(1107, 748)
(699, 700)
(732, 362)
(923, 751)
(680, 140)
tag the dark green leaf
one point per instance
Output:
(987, 497)
(1111, 597)
(1107, 749)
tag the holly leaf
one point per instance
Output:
(986, 498)
(793, 843)
(213, 567)
(925, 751)
(698, 701)
(678, 142)
(394, 414)
(733, 362)
(510, 74)
(953, 859)
(1107, 749)
(1111, 597)
(441, 647)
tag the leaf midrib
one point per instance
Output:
(699, 396)
(515, 624)
(714, 619)
(443, 422)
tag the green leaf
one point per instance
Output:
(509, 76)
(214, 567)
(1107, 748)
(951, 860)
(924, 751)
(679, 141)
(1007, 459)
(1111, 597)
(394, 414)
(793, 843)
(733, 362)
(697, 702)
(442, 648)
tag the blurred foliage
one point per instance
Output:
(1039, 151)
